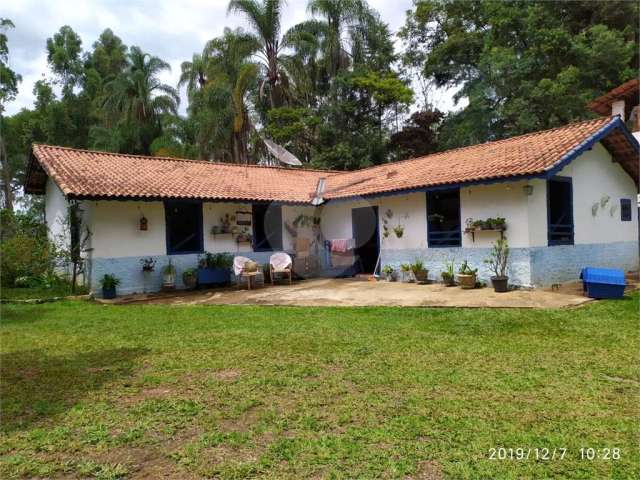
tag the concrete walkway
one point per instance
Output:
(352, 292)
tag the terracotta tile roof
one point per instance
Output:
(90, 174)
(525, 155)
(84, 173)
(627, 91)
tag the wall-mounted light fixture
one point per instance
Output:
(528, 190)
(144, 224)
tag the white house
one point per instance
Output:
(567, 195)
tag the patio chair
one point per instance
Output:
(239, 263)
(280, 263)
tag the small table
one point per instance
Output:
(249, 276)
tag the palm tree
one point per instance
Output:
(264, 18)
(193, 74)
(341, 17)
(220, 104)
(138, 99)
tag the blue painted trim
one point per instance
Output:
(430, 241)
(550, 241)
(200, 214)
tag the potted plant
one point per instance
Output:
(499, 223)
(419, 272)
(109, 283)
(467, 276)
(190, 277)
(448, 276)
(169, 276)
(478, 225)
(497, 263)
(388, 273)
(405, 269)
(398, 230)
(215, 268)
(148, 264)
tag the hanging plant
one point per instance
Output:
(398, 230)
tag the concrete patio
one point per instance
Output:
(354, 292)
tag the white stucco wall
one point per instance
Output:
(116, 229)
(55, 211)
(595, 177)
(507, 200)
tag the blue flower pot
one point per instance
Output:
(108, 293)
(213, 276)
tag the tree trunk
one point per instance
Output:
(6, 175)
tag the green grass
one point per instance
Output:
(233, 392)
(62, 290)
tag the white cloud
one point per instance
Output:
(172, 30)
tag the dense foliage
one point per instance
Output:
(334, 90)
(522, 65)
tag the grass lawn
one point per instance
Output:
(235, 392)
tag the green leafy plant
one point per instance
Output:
(190, 272)
(216, 260)
(498, 258)
(387, 270)
(465, 269)
(169, 269)
(109, 281)
(448, 274)
(398, 230)
(405, 267)
(417, 266)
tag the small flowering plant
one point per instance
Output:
(148, 264)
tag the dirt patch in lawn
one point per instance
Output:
(227, 374)
(427, 470)
(149, 394)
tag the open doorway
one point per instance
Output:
(365, 233)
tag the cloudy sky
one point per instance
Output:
(170, 29)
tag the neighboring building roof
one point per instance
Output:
(628, 91)
(89, 174)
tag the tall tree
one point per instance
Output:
(264, 18)
(218, 90)
(64, 51)
(137, 99)
(522, 65)
(8, 90)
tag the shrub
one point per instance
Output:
(25, 256)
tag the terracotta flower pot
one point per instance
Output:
(467, 282)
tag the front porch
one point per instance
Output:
(362, 293)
